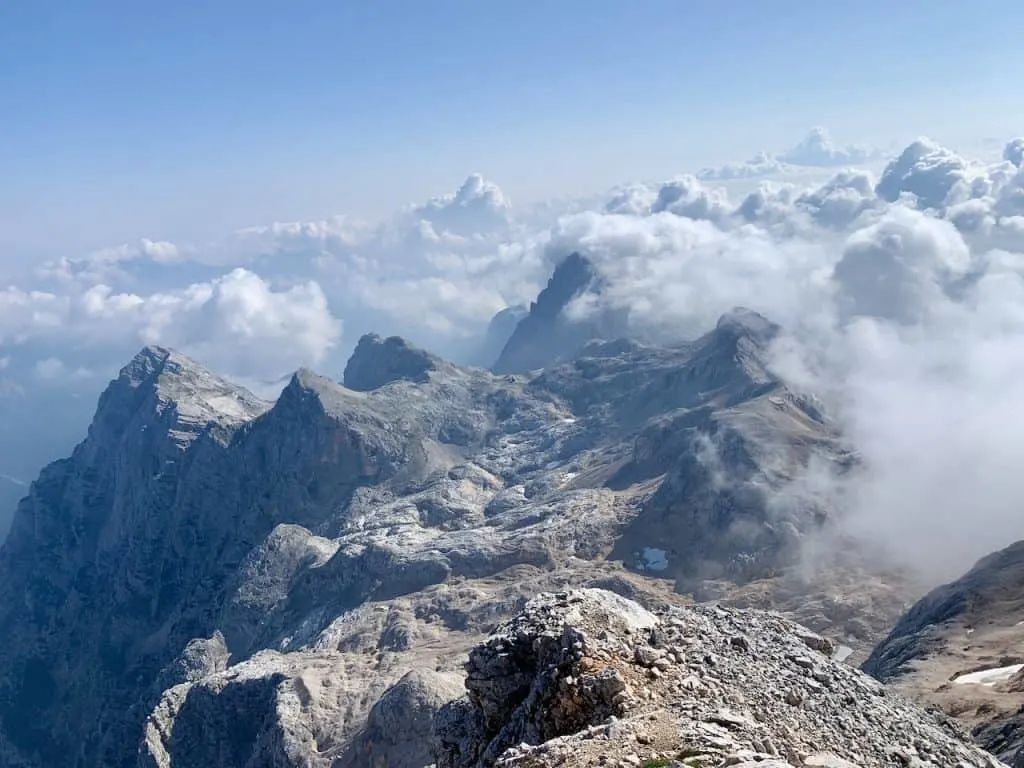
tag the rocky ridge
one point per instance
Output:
(587, 678)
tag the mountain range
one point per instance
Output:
(212, 579)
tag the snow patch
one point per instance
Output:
(653, 559)
(842, 653)
(990, 677)
(227, 405)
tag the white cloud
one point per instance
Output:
(925, 170)
(238, 323)
(761, 164)
(815, 150)
(477, 206)
(897, 269)
(818, 149)
(49, 369)
(1013, 152)
(237, 320)
(161, 252)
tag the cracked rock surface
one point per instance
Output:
(587, 678)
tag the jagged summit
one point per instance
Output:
(163, 385)
(545, 335)
(376, 362)
(148, 361)
(153, 361)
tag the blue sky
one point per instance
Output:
(121, 119)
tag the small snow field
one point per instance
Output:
(990, 676)
(842, 653)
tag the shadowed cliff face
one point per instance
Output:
(11, 492)
(545, 335)
(201, 545)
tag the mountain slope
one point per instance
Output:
(103, 552)
(962, 646)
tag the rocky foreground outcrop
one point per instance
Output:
(587, 678)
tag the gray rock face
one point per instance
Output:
(11, 492)
(104, 554)
(586, 678)
(213, 580)
(376, 362)
(400, 726)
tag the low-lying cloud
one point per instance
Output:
(902, 314)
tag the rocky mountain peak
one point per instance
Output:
(165, 386)
(376, 362)
(147, 363)
(571, 276)
(545, 335)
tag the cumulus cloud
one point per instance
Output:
(925, 170)
(1013, 152)
(238, 322)
(437, 271)
(761, 164)
(816, 150)
(898, 269)
(477, 206)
